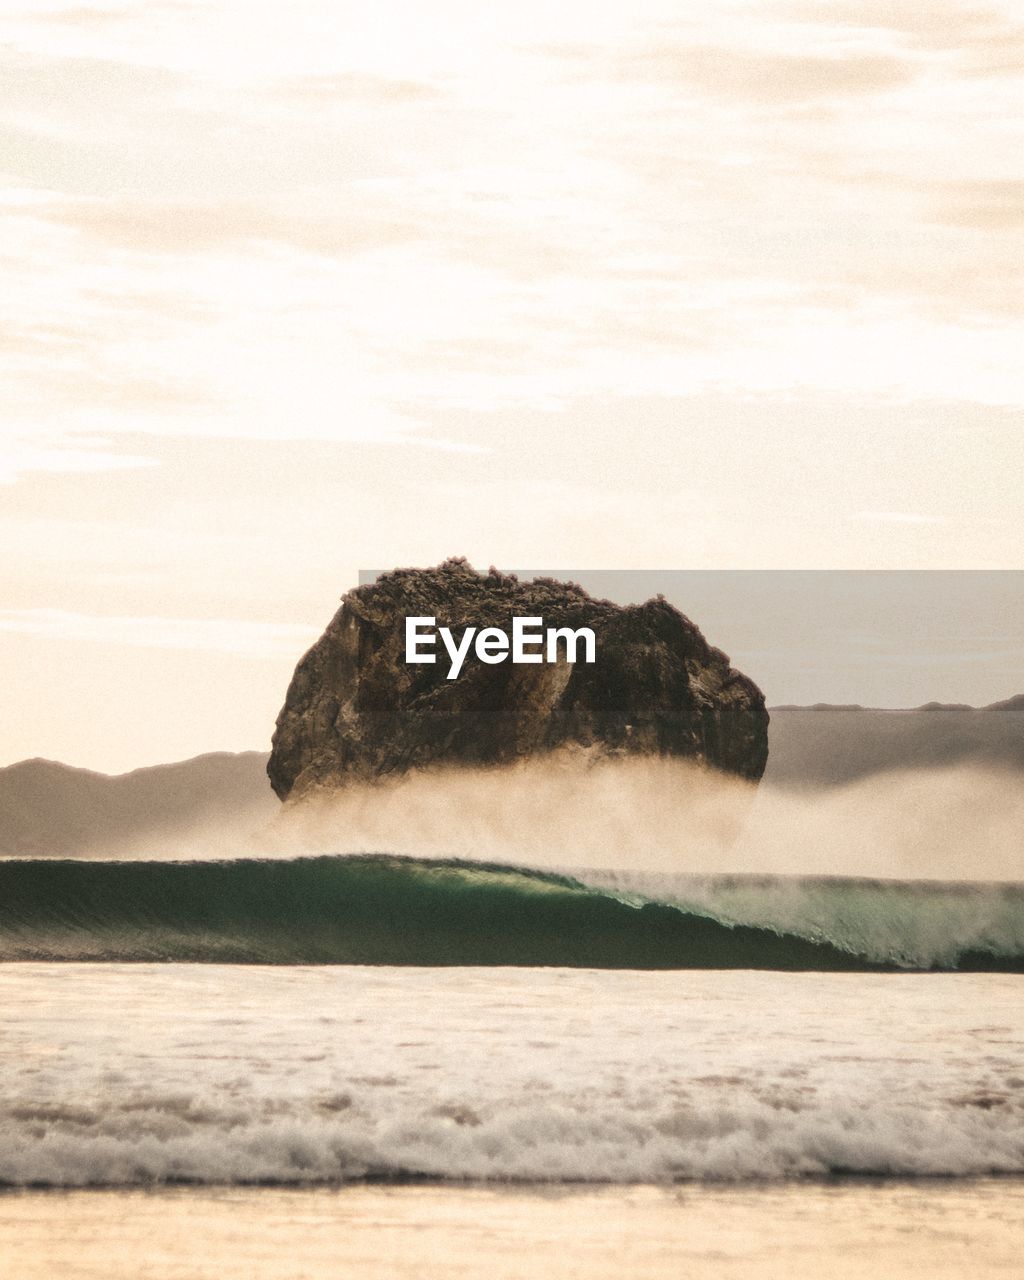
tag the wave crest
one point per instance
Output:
(386, 909)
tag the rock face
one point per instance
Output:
(355, 710)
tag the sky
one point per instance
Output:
(291, 291)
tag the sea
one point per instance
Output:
(383, 1066)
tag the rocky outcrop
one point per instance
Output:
(356, 710)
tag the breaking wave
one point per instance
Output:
(128, 1075)
(388, 910)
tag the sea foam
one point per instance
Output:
(217, 1074)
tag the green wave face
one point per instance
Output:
(383, 909)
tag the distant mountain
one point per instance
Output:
(824, 745)
(51, 809)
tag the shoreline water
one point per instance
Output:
(849, 1228)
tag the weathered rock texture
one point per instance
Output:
(356, 710)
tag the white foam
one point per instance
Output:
(137, 1074)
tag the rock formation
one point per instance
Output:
(355, 710)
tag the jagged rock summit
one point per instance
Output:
(355, 710)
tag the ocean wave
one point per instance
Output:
(134, 1075)
(386, 909)
(741, 1139)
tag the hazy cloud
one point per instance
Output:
(358, 87)
(995, 205)
(639, 284)
(228, 635)
(770, 77)
(896, 517)
(22, 456)
(162, 226)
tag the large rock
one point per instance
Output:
(356, 710)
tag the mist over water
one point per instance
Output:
(660, 815)
(567, 811)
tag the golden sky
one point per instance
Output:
(291, 290)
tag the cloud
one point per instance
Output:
(986, 205)
(896, 517)
(70, 85)
(197, 226)
(981, 41)
(770, 77)
(353, 87)
(932, 23)
(21, 455)
(246, 639)
(341, 240)
(87, 17)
